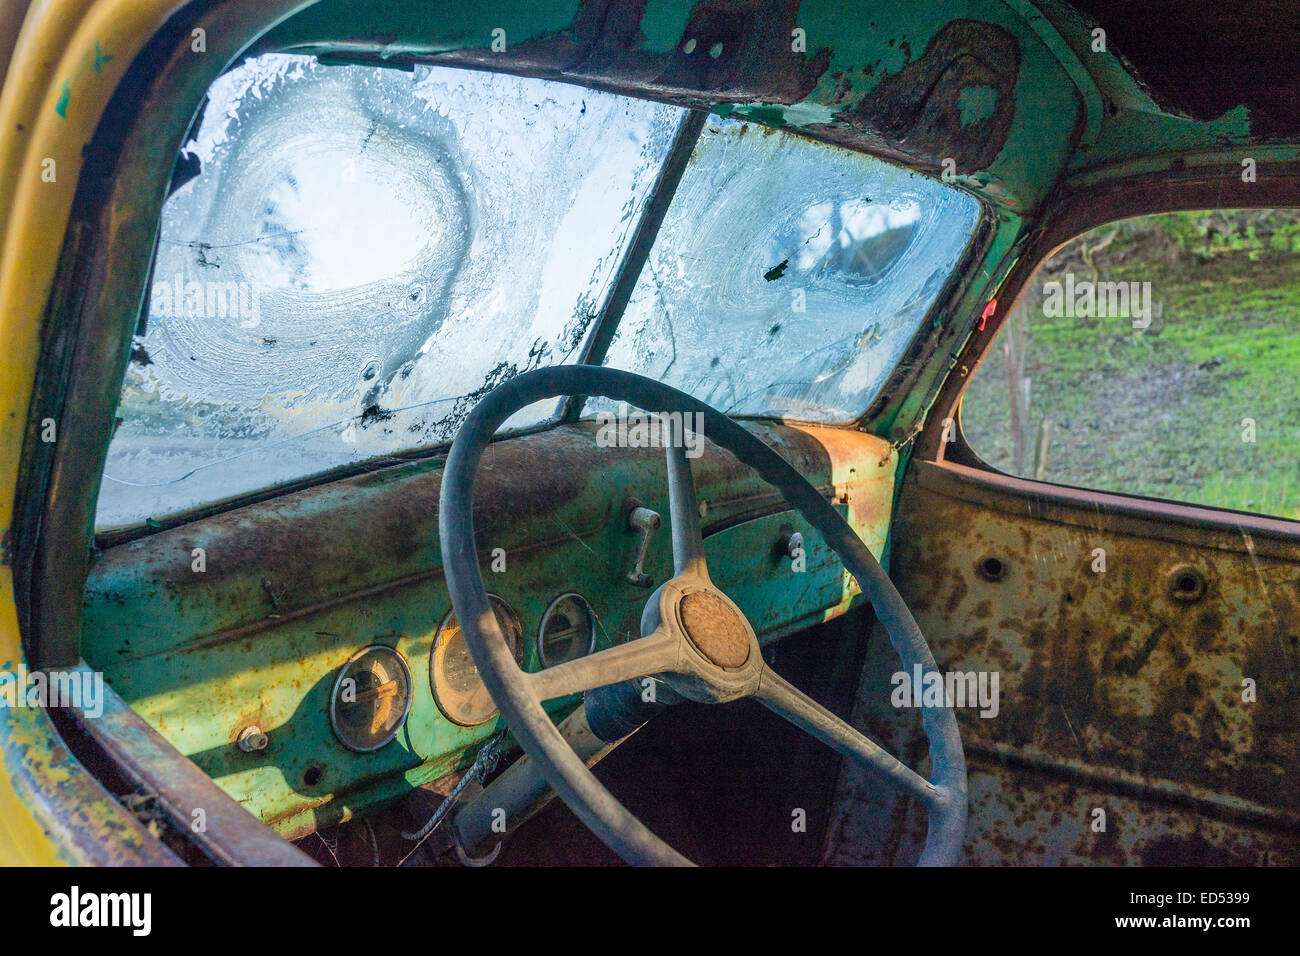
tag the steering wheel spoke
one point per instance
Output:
(653, 654)
(780, 696)
(684, 509)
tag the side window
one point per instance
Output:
(1158, 356)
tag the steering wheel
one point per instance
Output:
(695, 638)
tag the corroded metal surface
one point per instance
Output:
(228, 834)
(105, 249)
(741, 49)
(955, 100)
(274, 559)
(715, 629)
(293, 585)
(1177, 718)
(919, 82)
(84, 823)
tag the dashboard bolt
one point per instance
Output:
(252, 739)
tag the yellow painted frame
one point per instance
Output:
(66, 59)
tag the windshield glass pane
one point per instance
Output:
(789, 276)
(363, 254)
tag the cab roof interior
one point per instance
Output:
(1197, 61)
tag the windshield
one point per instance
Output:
(362, 253)
(789, 276)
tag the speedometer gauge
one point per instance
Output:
(457, 687)
(568, 630)
(371, 698)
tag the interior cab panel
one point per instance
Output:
(1147, 662)
(292, 587)
(323, 320)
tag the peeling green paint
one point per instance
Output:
(663, 22)
(101, 58)
(401, 27)
(773, 116)
(976, 104)
(808, 113)
(1133, 132)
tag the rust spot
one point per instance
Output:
(923, 105)
(1192, 850)
(753, 61)
(1105, 846)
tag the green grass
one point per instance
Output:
(1160, 412)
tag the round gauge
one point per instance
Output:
(457, 687)
(371, 698)
(568, 630)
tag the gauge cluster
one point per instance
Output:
(568, 631)
(373, 692)
(457, 687)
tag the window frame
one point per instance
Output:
(1189, 184)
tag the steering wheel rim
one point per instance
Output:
(514, 692)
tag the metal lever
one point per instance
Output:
(647, 522)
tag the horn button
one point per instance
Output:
(715, 628)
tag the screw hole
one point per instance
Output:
(1186, 584)
(313, 776)
(991, 568)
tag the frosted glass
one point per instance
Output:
(789, 276)
(363, 255)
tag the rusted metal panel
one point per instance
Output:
(274, 559)
(919, 83)
(193, 802)
(84, 823)
(741, 50)
(1174, 711)
(294, 585)
(955, 100)
(1024, 817)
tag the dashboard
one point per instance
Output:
(302, 650)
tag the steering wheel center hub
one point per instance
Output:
(715, 628)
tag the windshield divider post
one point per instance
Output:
(647, 231)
